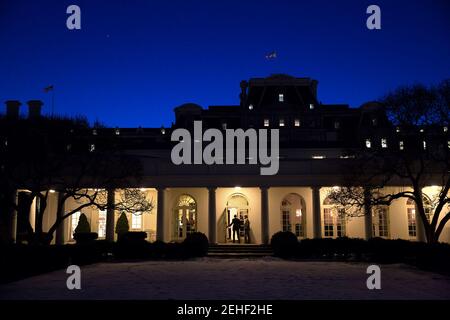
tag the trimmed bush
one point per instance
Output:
(284, 244)
(83, 225)
(83, 234)
(122, 225)
(134, 236)
(85, 237)
(196, 244)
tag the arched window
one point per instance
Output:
(185, 217)
(293, 215)
(334, 222)
(411, 214)
(380, 222)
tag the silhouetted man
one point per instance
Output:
(236, 223)
(246, 229)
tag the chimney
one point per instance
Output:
(34, 109)
(12, 109)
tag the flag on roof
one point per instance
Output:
(49, 88)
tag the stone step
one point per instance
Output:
(239, 250)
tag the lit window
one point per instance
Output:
(266, 122)
(281, 97)
(421, 130)
(380, 227)
(397, 129)
(297, 122)
(102, 223)
(74, 222)
(384, 143)
(368, 144)
(412, 229)
(163, 130)
(311, 106)
(337, 124)
(424, 144)
(250, 107)
(281, 122)
(94, 132)
(91, 147)
(117, 131)
(401, 145)
(448, 144)
(318, 157)
(136, 221)
(445, 129)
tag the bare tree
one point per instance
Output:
(418, 156)
(46, 155)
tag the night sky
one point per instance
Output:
(133, 61)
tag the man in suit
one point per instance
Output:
(236, 224)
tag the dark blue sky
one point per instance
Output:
(135, 60)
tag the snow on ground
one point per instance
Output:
(209, 278)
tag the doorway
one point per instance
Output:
(185, 217)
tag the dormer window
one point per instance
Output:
(266, 122)
(281, 97)
(117, 131)
(297, 122)
(311, 106)
(384, 143)
(401, 145)
(368, 144)
(445, 129)
(281, 122)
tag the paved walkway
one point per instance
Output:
(208, 278)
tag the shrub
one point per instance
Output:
(196, 244)
(85, 237)
(83, 225)
(284, 244)
(122, 225)
(134, 236)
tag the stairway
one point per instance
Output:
(239, 251)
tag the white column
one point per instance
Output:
(160, 214)
(317, 221)
(264, 215)
(110, 215)
(60, 231)
(212, 215)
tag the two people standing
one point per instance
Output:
(237, 224)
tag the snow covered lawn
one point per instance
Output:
(209, 278)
